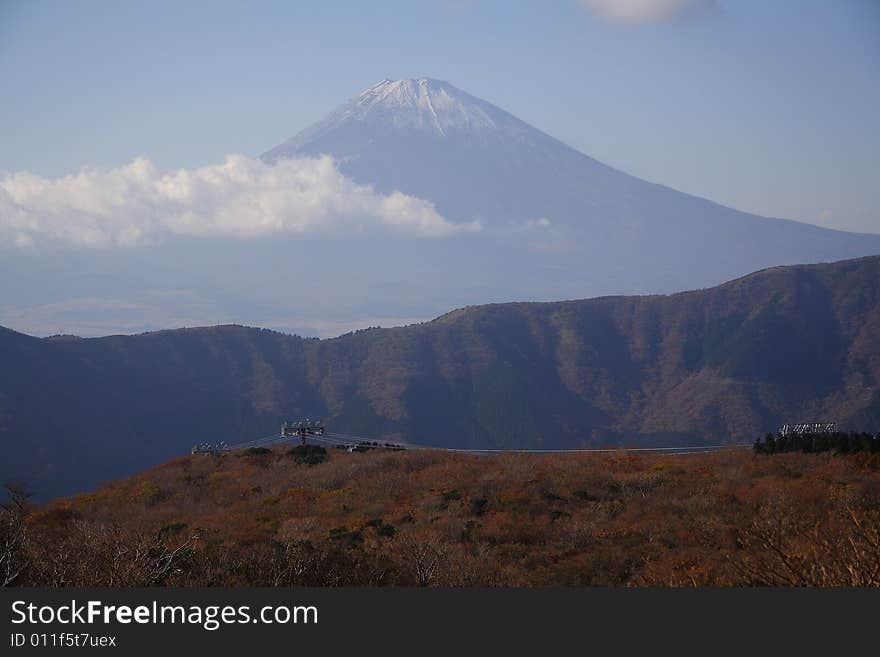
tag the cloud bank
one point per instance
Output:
(647, 11)
(242, 197)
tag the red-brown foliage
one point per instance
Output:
(426, 518)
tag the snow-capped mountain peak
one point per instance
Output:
(415, 106)
(425, 104)
(476, 162)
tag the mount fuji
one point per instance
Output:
(609, 231)
(473, 160)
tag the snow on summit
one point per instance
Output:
(424, 103)
(410, 106)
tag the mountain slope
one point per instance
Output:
(477, 162)
(789, 343)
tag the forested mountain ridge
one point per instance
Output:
(725, 363)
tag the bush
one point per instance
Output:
(479, 506)
(386, 530)
(256, 451)
(346, 535)
(308, 454)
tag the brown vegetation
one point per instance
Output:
(438, 519)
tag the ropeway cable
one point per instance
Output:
(346, 439)
(477, 450)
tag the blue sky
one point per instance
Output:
(768, 106)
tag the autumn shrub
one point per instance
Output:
(785, 546)
(14, 516)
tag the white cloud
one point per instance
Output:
(647, 11)
(137, 204)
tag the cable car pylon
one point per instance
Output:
(302, 429)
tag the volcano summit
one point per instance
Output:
(475, 161)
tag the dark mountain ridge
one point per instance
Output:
(721, 364)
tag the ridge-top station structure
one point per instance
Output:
(302, 429)
(812, 428)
